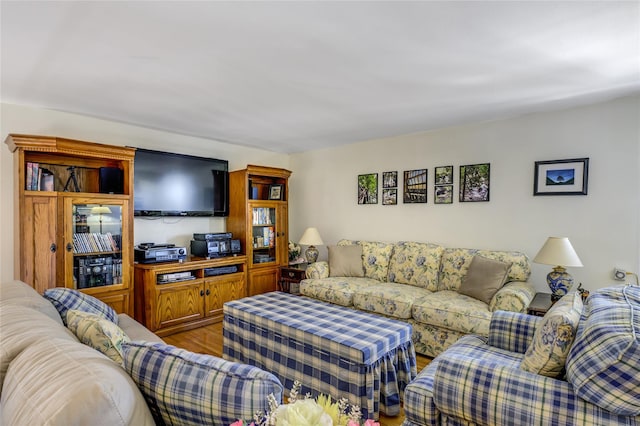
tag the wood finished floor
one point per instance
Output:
(208, 340)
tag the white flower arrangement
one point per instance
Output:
(307, 411)
(294, 251)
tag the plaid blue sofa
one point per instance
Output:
(479, 381)
(419, 283)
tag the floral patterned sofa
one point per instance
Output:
(420, 283)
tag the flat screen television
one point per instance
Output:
(168, 184)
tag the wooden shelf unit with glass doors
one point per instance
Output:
(259, 218)
(69, 234)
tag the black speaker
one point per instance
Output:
(111, 180)
(220, 192)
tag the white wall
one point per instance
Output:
(602, 226)
(26, 120)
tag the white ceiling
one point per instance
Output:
(297, 76)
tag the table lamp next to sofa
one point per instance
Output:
(311, 238)
(558, 251)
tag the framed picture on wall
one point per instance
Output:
(389, 196)
(443, 175)
(368, 188)
(443, 194)
(474, 182)
(561, 177)
(389, 179)
(415, 186)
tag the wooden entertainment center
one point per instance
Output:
(74, 232)
(169, 306)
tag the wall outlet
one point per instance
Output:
(619, 274)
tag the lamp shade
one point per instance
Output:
(311, 237)
(558, 251)
(100, 210)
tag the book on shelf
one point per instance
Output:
(38, 178)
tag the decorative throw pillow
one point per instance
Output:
(345, 261)
(97, 332)
(484, 278)
(65, 299)
(552, 340)
(192, 389)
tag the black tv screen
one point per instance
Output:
(167, 184)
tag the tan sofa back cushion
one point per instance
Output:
(416, 264)
(456, 261)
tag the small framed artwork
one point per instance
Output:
(389, 179)
(415, 186)
(444, 175)
(474, 182)
(389, 196)
(368, 188)
(275, 191)
(561, 177)
(443, 194)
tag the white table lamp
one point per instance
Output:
(558, 251)
(311, 238)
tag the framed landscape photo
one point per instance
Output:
(275, 192)
(415, 186)
(474, 182)
(389, 196)
(368, 188)
(561, 177)
(389, 179)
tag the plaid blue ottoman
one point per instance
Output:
(332, 350)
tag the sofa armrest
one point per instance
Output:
(318, 270)
(515, 296)
(512, 331)
(484, 392)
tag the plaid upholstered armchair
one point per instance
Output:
(575, 366)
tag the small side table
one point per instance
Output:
(540, 304)
(290, 277)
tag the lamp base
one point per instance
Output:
(559, 281)
(311, 254)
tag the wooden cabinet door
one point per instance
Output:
(120, 302)
(263, 280)
(38, 242)
(219, 290)
(177, 303)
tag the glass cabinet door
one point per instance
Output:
(264, 234)
(96, 242)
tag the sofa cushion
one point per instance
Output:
(454, 311)
(22, 294)
(484, 278)
(416, 264)
(345, 261)
(376, 257)
(64, 299)
(63, 382)
(21, 326)
(392, 300)
(336, 290)
(191, 389)
(456, 261)
(547, 353)
(98, 333)
(604, 362)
